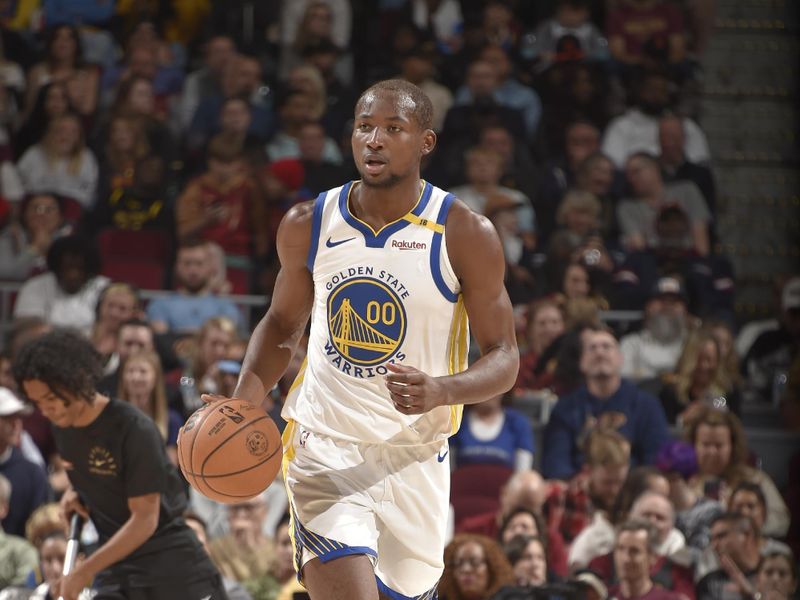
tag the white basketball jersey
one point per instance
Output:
(380, 297)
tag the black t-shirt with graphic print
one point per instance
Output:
(121, 455)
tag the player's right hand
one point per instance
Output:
(71, 503)
(213, 398)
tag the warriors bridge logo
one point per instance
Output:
(366, 325)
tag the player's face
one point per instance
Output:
(471, 570)
(387, 141)
(62, 410)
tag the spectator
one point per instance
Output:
(545, 323)
(637, 215)
(52, 101)
(61, 163)
(293, 14)
(125, 146)
(518, 169)
(605, 399)
(224, 206)
(597, 176)
(475, 568)
(723, 332)
(235, 121)
(136, 99)
(494, 433)
(528, 559)
(28, 481)
(722, 454)
(319, 174)
(748, 500)
(709, 280)
(777, 576)
(64, 63)
(634, 553)
(771, 355)
(676, 167)
(571, 18)
(134, 335)
(294, 110)
(735, 541)
(118, 303)
(219, 51)
(526, 522)
(24, 245)
(699, 378)
(418, 67)
(580, 286)
(185, 310)
(443, 19)
(52, 555)
(141, 383)
(655, 349)
(500, 27)
(44, 523)
(518, 245)
(325, 57)
(636, 130)
(17, 556)
(66, 295)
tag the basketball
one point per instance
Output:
(229, 451)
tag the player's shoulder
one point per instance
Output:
(472, 241)
(464, 222)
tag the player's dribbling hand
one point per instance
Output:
(69, 504)
(412, 391)
(213, 398)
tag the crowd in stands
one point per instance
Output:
(157, 145)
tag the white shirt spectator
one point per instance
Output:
(41, 175)
(597, 539)
(635, 131)
(292, 15)
(644, 357)
(42, 297)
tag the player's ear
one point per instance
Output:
(428, 141)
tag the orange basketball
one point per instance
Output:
(229, 451)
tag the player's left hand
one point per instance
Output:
(69, 587)
(412, 391)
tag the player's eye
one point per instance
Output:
(362, 127)
(394, 128)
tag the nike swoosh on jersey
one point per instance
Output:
(441, 457)
(331, 244)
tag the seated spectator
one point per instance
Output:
(676, 167)
(18, 557)
(52, 552)
(475, 568)
(64, 63)
(236, 121)
(597, 176)
(218, 52)
(777, 576)
(319, 174)
(523, 521)
(191, 305)
(66, 295)
(581, 287)
(418, 67)
(571, 18)
(519, 172)
(722, 454)
(493, 433)
(28, 481)
(528, 559)
(52, 101)
(518, 245)
(699, 378)
(709, 280)
(304, 22)
(124, 147)
(118, 303)
(773, 351)
(735, 542)
(24, 245)
(637, 215)
(605, 398)
(224, 206)
(636, 130)
(61, 163)
(571, 506)
(141, 383)
(656, 348)
(328, 59)
(294, 110)
(210, 345)
(634, 552)
(136, 99)
(748, 500)
(545, 323)
(443, 19)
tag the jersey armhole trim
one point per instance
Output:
(436, 249)
(316, 225)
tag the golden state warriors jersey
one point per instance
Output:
(380, 297)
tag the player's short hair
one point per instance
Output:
(423, 108)
(64, 360)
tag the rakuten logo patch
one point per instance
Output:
(404, 245)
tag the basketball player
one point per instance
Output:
(389, 268)
(120, 477)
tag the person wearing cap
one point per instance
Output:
(770, 357)
(655, 349)
(28, 480)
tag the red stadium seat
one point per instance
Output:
(137, 257)
(471, 506)
(475, 489)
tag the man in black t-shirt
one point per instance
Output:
(120, 478)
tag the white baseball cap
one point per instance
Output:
(11, 405)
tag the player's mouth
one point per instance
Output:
(374, 163)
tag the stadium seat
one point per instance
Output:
(475, 489)
(137, 257)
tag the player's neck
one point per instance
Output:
(90, 412)
(378, 206)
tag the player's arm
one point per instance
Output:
(275, 338)
(134, 532)
(477, 257)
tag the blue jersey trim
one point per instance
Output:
(436, 248)
(390, 593)
(316, 225)
(348, 551)
(324, 548)
(378, 240)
